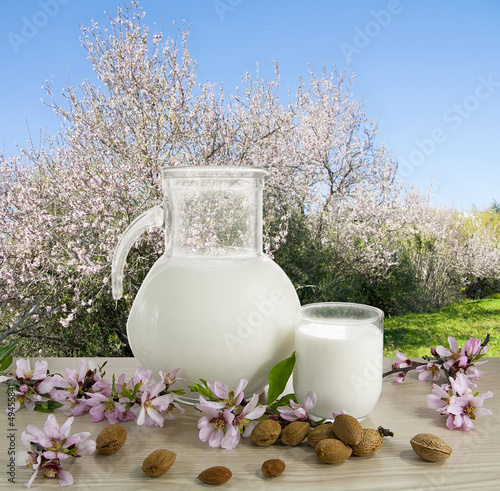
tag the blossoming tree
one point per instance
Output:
(64, 204)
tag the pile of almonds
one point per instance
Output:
(334, 442)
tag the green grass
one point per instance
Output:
(414, 334)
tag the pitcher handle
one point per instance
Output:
(154, 217)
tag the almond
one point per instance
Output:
(348, 429)
(294, 433)
(273, 467)
(111, 439)
(215, 475)
(266, 432)
(371, 442)
(430, 447)
(332, 451)
(320, 433)
(158, 462)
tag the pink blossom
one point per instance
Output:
(222, 392)
(454, 354)
(472, 372)
(335, 414)
(29, 381)
(404, 362)
(169, 378)
(143, 376)
(225, 422)
(33, 460)
(473, 348)
(103, 406)
(440, 397)
(431, 368)
(298, 411)
(216, 426)
(245, 421)
(27, 399)
(153, 406)
(51, 469)
(48, 447)
(400, 377)
(56, 441)
(459, 402)
(465, 409)
(72, 395)
(26, 374)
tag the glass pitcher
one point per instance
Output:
(213, 304)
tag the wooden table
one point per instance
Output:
(474, 463)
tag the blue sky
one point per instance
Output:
(429, 71)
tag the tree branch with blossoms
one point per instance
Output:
(49, 447)
(87, 390)
(457, 399)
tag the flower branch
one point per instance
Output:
(458, 398)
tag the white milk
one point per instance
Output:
(217, 319)
(342, 364)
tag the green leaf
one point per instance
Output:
(203, 390)
(134, 391)
(47, 406)
(4, 354)
(127, 393)
(5, 363)
(278, 377)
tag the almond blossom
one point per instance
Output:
(49, 447)
(225, 421)
(33, 385)
(77, 385)
(155, 408)
(459, 401)
(450, 362)
(296, 411)
(105, 406)
(223, 394)
(431, 368)
(216, 426)
(466, 405)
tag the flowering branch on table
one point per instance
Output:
(49, 447)
(459, 401)
(457, 398)
(86, 390)
(227, 417)
(451, 361)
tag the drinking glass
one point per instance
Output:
(339, 355)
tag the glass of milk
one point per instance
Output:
(339, 354)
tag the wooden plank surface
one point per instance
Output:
(474, 464)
